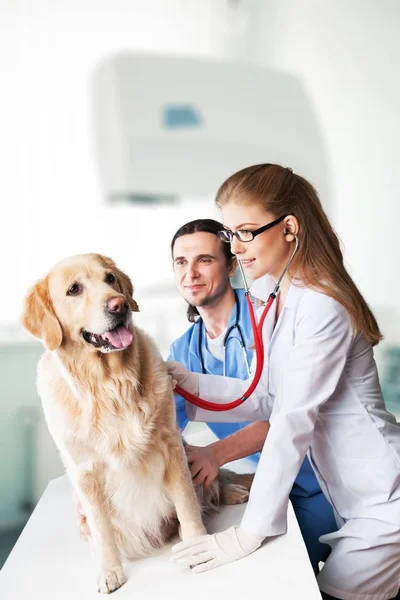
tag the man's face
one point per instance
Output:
(201, 271)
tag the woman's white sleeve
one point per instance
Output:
(309, 376)
(222, 390)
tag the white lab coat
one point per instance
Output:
(321, 392)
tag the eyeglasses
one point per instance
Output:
(244, 235)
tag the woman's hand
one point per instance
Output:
(184, 378)
(203, 464)
(211, 551)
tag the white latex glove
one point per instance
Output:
(211, 551)
(184, 378)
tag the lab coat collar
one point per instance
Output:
(262, 287)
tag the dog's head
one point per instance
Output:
(84, 300)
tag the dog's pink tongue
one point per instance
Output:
(120, 337)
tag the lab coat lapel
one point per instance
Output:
(293, 296)
(261, 289)
(269, 325)
(275, 324)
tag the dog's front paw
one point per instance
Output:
(110, 580)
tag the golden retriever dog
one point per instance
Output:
(109, 405)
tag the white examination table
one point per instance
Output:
(51, 562)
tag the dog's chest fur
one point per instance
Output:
(115, 439)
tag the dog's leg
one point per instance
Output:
(180, 486)
(110, 575)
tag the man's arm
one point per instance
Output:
(242, 443)
(205, 461)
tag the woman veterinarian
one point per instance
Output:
(319, 389)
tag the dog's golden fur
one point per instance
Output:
(112, 416)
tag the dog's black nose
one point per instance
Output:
(117, 305)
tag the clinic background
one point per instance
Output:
(337, 62)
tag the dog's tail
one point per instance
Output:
(244, 479)
(234, 488)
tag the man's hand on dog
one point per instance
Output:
(203, 464)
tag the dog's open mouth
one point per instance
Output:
(118, 338)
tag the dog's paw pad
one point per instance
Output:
(109, 581)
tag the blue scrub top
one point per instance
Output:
(186, 351)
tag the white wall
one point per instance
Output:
(347, 53)
(51, 204)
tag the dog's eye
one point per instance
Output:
(110, 278)
(74, 290)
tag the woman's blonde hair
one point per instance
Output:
(319, 260)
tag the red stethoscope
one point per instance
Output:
(258, 342)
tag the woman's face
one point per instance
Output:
(269, 251)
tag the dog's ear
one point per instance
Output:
(107, 262)
(38, 317)
(127, 290)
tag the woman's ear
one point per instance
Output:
(291, 229)
(38, 317)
